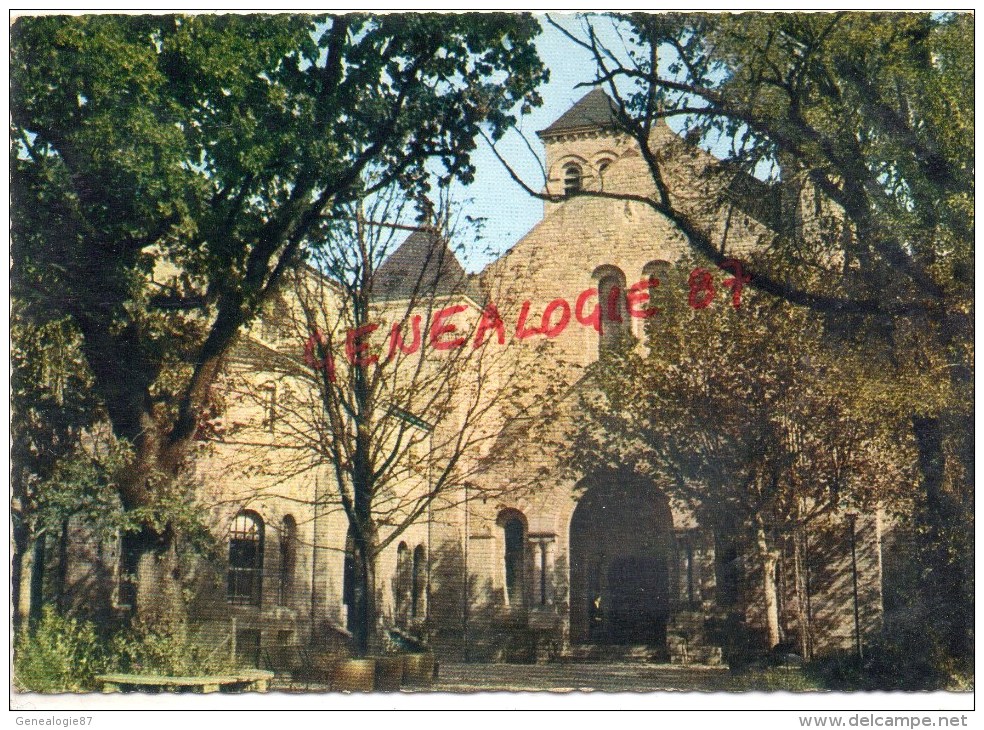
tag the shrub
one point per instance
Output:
(61, 655)
(64, 654)
(168, 651)
(908, 662)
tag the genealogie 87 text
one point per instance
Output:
(586, 310)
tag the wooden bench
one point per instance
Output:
(254, 680)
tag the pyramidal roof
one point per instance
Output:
(423, 266)
(595, 109)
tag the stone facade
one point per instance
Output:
(599, 565)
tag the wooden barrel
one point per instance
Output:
(354, 675)
(418, 669)
(322, 667)
(389, 673)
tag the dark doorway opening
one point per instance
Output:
(638, 600)
(620, 540)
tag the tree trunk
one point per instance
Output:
(62, 575)
(364, 597)
(124, 378)
(801, 582)
(28, 583)
(20, 572)
(20, 583)
(947, 549)
(150, 566)
(769, 559)
(36, 590)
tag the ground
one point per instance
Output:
(599, 677)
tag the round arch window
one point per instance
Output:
(573, 178)
(246, 559)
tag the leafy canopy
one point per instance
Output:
(167, 170)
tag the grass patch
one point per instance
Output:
(774, 679)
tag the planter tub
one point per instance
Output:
(418, 669)
(389, 673)
(354, 675)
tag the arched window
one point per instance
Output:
(270, 398)
(404, 583)
(419, 581)
(658, 268)
(288, 558)
(246, 559)
(573, 177)
(611, 302)
(513, 527)
(603, 165)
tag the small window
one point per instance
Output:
(288, 558)
(274, 321)
(419, 581)
(542, 579)
(604, 165)
(246, 559)
(271, 406)
(573, 177)
(613, 310)
(403, 588)
(515, 548)
(513, 526)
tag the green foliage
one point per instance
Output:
(61, 655)
(749, 413)
(773, 679)
(907, 661)
(64, 654)
(876, 108)
(169, 651)
(859, 128)
(862, 125)
(209, 149)
(82, 486)
(53, 476)
(168, 170)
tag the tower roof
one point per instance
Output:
(422, 266)
(594, 110)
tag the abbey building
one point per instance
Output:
(521, 559)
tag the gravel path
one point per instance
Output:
(600, 677)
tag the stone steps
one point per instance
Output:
(614, 653)
(687, 640)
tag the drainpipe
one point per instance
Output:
(314, 560)
(464, 599)
(852, 518)
(430, 521)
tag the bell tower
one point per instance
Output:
(581, 145)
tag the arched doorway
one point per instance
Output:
(620, 542)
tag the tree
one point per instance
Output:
(51, 408)
(850, 136)
(169, 170)
(748, 420)
(389, 371)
